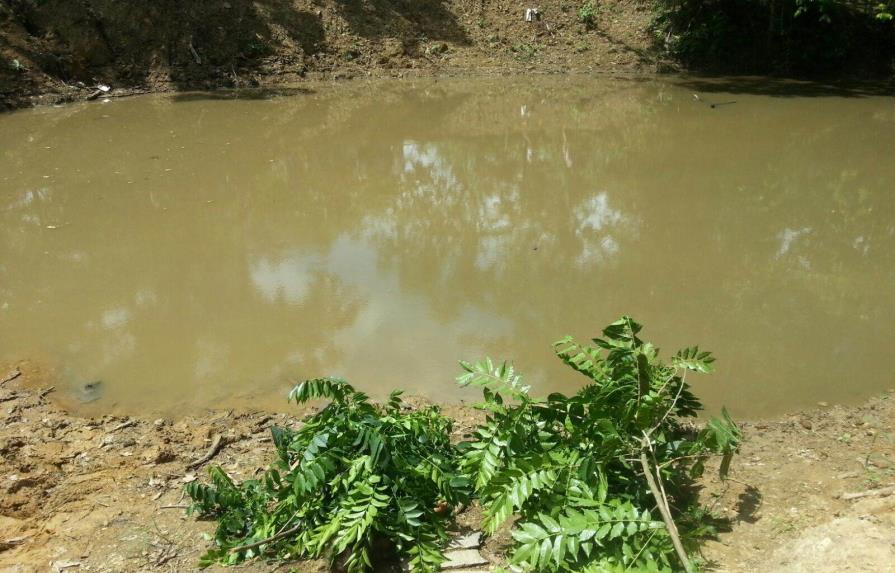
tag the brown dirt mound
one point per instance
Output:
(53, 50)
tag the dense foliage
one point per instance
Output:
(598, 481)
(785, 36)
(572, 468)
(356, 477)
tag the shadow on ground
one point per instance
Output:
(788, 88)
(205, 43)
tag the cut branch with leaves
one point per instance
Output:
(597, 481)
(355, 477)
(585, 473)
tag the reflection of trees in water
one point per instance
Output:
(804, 214)
(821, 193)
(553, 209)
(676, 219)
(208, 342)
(467, 224)
(162, 296)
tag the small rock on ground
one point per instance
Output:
(472, 540)
(463, 559)
(845, 544)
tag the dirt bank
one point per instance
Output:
(60, 50)
(98, 492)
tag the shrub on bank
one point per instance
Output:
(785, 36)
(600, 480)
(357, 478)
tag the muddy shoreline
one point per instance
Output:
(102, 492)
(271, 87)
(57, 51)
(65, 51)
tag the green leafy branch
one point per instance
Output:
(619, 444)
(354, 476)
(596, 481)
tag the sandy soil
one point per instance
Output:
(786, 502)
(95, 494)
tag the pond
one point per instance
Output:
(166, 253)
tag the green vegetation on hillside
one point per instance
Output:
(785, 36)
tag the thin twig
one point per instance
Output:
(870, 449)
(10, 376)
(166, 555)
(122, 425)
(659, 494)
(662, 502)
(644, 546)
(659, 479)
(270, 539)
(43, 393)
(174, 506)
(673, 461)
(677, 396)
(195, 53)
(734, 480)
(216, 444)
(12, 542)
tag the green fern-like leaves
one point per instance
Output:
(583, 359)
(334, 389)
(579, 536)
(566, 467)
(500, 378)
(424, 551)
(355, 476)
(566, 471)
(693, 359)
(511, 492)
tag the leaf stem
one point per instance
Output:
(662, 502)
(270, 539)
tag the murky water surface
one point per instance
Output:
(192, 251)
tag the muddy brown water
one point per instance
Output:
(191, 251)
